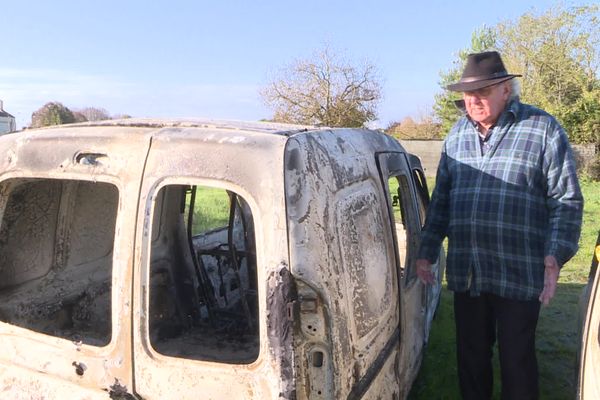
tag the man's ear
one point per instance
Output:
(507, 90)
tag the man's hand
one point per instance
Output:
(424, 271)
(551, 272)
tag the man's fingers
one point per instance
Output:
(545, 297)
(426, 278)
(424, 271)
(548, 292)
(551, 273)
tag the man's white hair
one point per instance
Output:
(515, 89)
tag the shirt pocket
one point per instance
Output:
(524, 169)
(525, 157)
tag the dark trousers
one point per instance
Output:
(479, 320)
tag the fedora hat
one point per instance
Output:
(482, 70)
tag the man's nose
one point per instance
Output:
(475, 100)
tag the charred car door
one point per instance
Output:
(67, 201)
(422, 196)
(408, 198)
(202, 277)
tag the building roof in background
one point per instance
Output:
(5, 114)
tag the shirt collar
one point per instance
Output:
(510, 113)
(513, 107)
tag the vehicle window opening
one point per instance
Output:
(203, 285)
(56, 248)
(406, 223)
(205, 292)
(422, 193)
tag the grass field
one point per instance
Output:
(211, 209)
(557, 334)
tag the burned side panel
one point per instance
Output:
(281, 298)
(342, 251)
(364, 261)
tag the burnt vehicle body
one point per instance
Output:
(181, 260)
(589, 350)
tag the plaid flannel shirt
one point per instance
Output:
(504, 211)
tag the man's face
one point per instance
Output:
(485, 105)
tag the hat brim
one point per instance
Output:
(476, 85)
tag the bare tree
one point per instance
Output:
(423, 129)
(94, 113)
(325, 90)
(79, 117)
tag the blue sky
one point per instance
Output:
(210, 58)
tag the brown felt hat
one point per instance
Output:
(482, 70)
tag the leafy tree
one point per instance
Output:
(557, 52)
(53, 113)
(324, 90)
(444, 107)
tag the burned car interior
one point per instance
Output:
(56, 241)
(203, 285)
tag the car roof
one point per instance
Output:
(161, 123)
(191, 130)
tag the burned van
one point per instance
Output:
(210, 260)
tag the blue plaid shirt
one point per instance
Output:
(505, 210)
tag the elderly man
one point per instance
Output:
(508, 200)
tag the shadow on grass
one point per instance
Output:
(557, 341)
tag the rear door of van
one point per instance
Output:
(408, 198)
(205, 284)
(67, 200)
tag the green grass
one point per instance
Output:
(557, 333)
(211, 209)
(577, 269)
